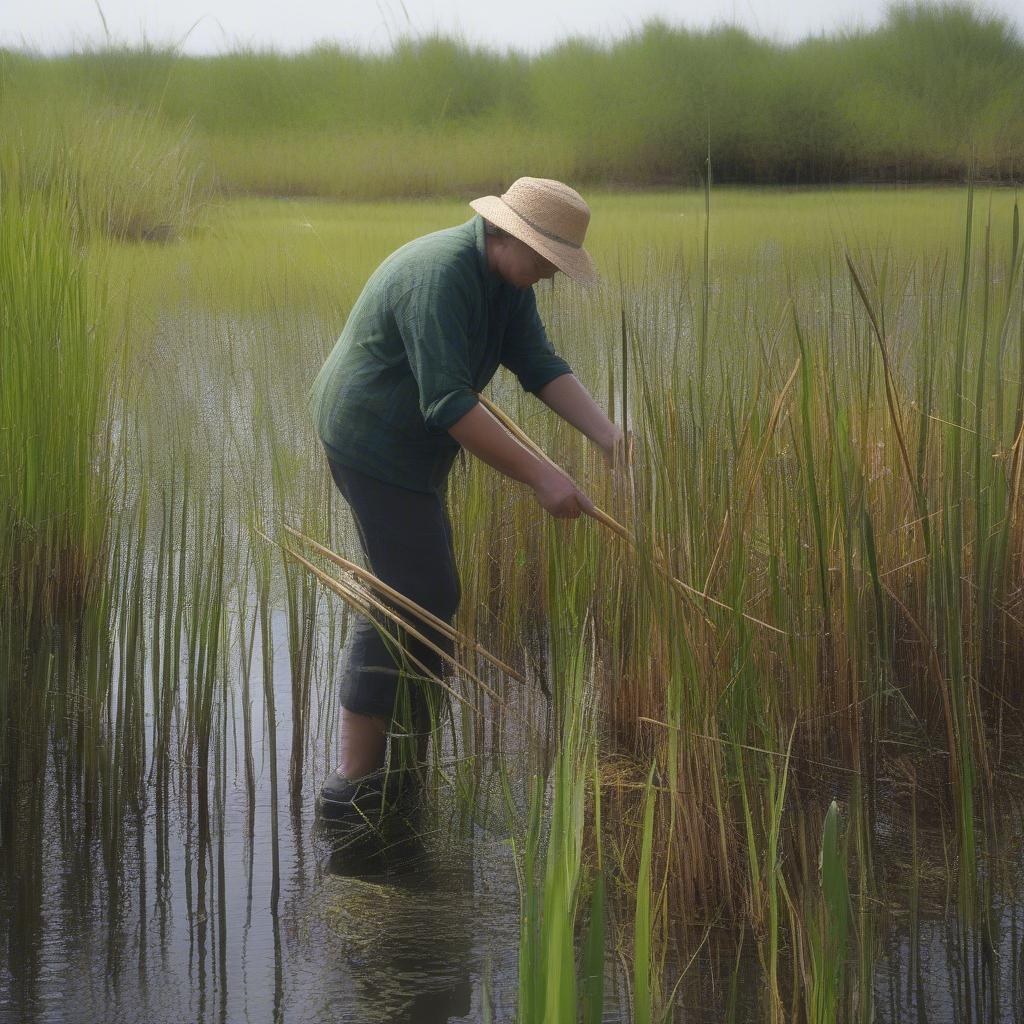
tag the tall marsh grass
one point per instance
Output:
(123, 170)
(60, 361)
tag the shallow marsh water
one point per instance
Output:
(169, 921)
(393, 925)
(418, 922)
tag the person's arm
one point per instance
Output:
(483, 436)
(431, 319)
(528, 353)
(566, 396)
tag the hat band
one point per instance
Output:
(543, 231)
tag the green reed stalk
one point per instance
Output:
(951, 589)
(548, 987)
(827, 927)
(263, 578)
(549, 990)
(642, 919)
(593, 950)
(776, 798)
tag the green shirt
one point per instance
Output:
(425, 335)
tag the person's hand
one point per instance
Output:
(618, 457)
(558, 495)
(618, 453)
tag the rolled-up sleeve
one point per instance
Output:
(432, 320)
(527, 351)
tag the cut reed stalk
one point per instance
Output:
(427, 616)
(365, 604)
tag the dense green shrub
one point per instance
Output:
(933, 90)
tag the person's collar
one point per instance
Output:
(492, 280)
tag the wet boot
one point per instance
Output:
(344, 799)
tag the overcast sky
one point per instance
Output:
(212, 26)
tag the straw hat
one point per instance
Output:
(549, 217)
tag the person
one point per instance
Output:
(394, 402)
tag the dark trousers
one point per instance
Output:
(406, 537)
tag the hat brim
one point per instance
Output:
(575, 263)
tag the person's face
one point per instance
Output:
(518, 264)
